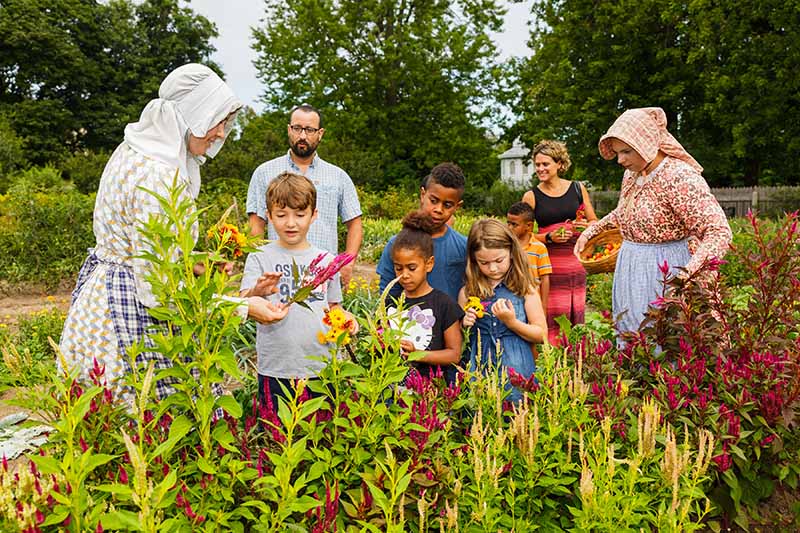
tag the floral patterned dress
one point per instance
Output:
(109, 313)
(669, 215)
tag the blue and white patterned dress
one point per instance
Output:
(109, 313)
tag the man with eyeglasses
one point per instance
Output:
(336, 194)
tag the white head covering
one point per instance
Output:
(192, 99)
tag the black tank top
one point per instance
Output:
(553, 209)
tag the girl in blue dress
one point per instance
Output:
(513, 319)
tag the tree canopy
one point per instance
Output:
(400, 82)
(723, 72)
(74, 72)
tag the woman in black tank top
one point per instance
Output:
(560, 207)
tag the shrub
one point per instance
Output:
(724, 365)
(598, 291)
(85, 169)
(12, 150)
(28, 347)
(45, 228)
(392, 203)
(495, 201)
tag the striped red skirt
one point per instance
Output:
(567, 285)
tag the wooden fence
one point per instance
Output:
(735, 201)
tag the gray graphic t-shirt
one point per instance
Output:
(283, 347)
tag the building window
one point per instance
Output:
(512, 168)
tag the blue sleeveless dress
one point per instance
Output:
(495, 337)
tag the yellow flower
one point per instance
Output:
(473, 302)
(337, 318)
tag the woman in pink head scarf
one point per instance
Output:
(664, 201)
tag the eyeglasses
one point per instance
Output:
(299, 129)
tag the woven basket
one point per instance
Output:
(606, 264)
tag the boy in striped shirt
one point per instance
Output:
(520, 220)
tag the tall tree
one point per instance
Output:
(703, 61)
(73, 72)
(745, 55)
(400, 79)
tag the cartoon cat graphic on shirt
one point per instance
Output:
(417, 326)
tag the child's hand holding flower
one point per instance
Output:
(474, 309)
(315, 275)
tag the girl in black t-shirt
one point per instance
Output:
(432, 319)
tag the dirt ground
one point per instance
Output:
(13, 306)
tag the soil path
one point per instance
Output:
(12, 307)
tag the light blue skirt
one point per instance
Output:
(638, 279)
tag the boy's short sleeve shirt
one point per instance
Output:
(538, 259)
(283, 347)
(450, 264)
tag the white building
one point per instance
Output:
(516, 168)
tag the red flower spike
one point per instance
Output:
(123, 475)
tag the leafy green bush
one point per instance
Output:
(735, 271)
(598, 291)
(85, 169)
(495, 201)
(12, 150)
(45, 228)
(392, 203)
(28, 346)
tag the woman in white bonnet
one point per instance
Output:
(188, 122)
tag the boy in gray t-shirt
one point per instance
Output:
(283, 348)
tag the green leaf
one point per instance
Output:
(305, 503)
(205, 466)
(230, 405)
(378, 496)
(178, 429)
(58, 515)
(121, 519)
(166, 484)
(90, 461)
(46, 463)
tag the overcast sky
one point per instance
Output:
(235, 17)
